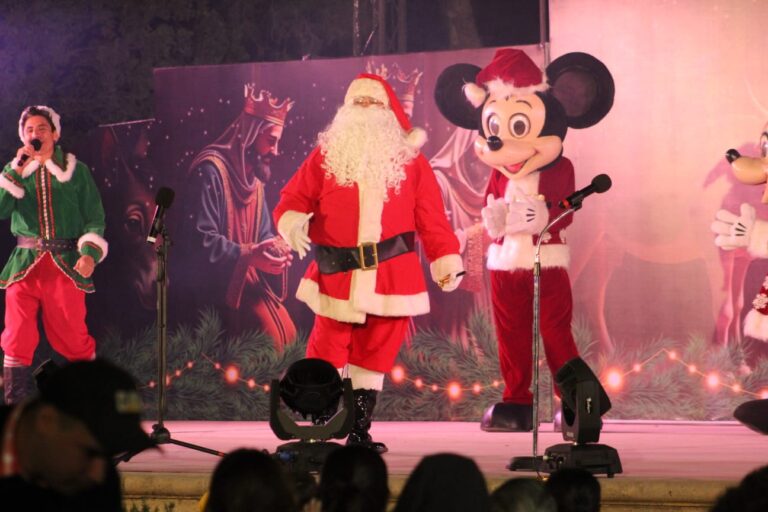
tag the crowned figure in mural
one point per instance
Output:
(522, 116)
(232, 246)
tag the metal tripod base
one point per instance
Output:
(161, 435)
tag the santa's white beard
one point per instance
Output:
(366, 145)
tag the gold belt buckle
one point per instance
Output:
(361, 249)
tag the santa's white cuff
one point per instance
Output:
(756, 325)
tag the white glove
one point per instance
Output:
(527, 215)
(494, 216)
(298, 237)
(451, 281)
(733, 231)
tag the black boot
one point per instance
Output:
(365, 402)
(17, 383)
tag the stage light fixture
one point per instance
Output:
(584, 402)
(313, 389)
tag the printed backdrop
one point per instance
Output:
(657, 305)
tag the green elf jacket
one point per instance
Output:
(56, 200)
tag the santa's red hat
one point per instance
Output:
(367, 84)
(510, 73)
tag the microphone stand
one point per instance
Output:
(536, 462)
(160, 434)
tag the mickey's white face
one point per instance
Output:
(514, 124)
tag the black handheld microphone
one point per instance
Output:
(163, 200)
(600, 184)
(35, 144)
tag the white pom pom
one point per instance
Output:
(417, 138)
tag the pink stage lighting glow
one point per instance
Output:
(231, 374)
(398, 374)
(614, 379)
(454, 391)
(764, 394)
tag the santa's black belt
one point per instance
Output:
(365, 256)
(46, 244)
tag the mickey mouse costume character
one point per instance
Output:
(746, 230)
(361, 196)
(522, 117)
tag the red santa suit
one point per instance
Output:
(370, 305)
(510, 260)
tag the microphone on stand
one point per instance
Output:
(600, 184)
(36, 144)
(163, 200)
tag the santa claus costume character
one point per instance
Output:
(58, 220)
(362, 196)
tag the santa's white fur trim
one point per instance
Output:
(371, 202)
(365, 300)
(756, 325)
(417, 138)
(362, 378)
(501, 89)
(96, 240)
(9, 186)
(758, 241)
(366, 87)
(517, 252)
(475, 94)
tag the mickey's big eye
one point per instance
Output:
(493, 124)
(519, 125)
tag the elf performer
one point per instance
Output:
(58, 220)
(522, 117)
(362, 196)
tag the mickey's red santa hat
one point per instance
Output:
(376, 87)
(510, 73)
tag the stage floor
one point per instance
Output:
(661, 458)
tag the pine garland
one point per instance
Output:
(664, 389)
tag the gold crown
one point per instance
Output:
(265, 106)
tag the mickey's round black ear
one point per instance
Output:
(450, 99)
(583, 85)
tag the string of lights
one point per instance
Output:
(613, 378)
